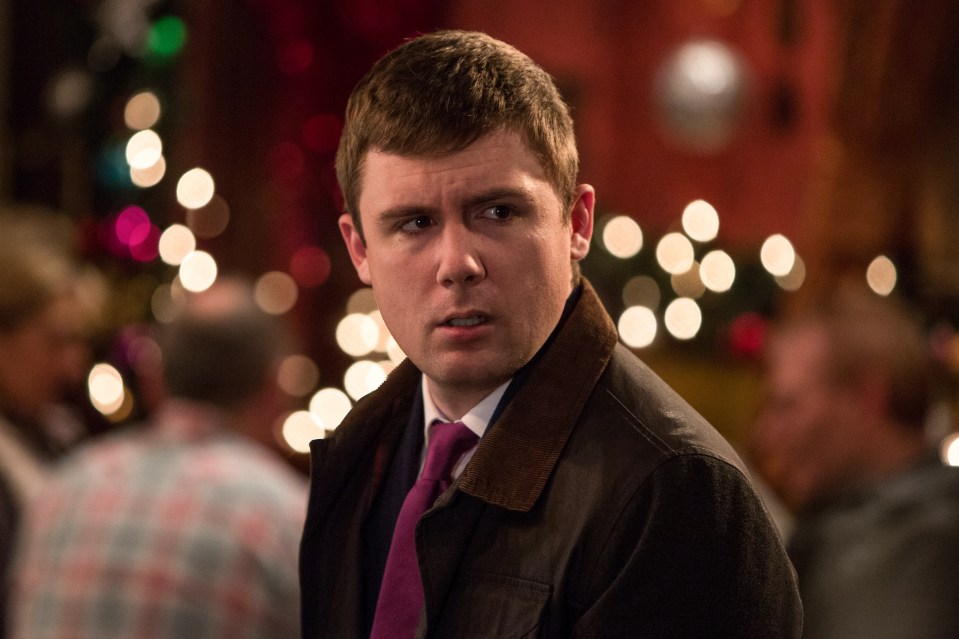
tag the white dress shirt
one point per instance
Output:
(476, 419)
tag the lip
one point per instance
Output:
(465, 331)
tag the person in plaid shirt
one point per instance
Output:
(186, 526)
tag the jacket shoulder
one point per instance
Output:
(630, 397)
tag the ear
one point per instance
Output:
(581, 221)
(356, 246)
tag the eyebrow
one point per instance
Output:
(486, 197)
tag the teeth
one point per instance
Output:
(467, 321)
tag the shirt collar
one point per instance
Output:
(476, 419)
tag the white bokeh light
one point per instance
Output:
(717, 271)
(300, 428)
(362, 378)
(700, 221)
(330, 405)
(106, 389)
(777, 255)
(637, 326)
(683, 318)
(176, 242)
(622, 237)
(357, 334)
(393, 351)
(949, 450)
(198, 271)
(195, 189)
(144, 149)
(675, 253)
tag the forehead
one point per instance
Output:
(500, 159)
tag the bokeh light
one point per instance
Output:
(142, 111)
(149, 176)
(300, 428)
(777, 255)
(700, 221)
(210, 220)
(622, 237)
(881, 275)
(106, 388)
(689, 283)
(675, 253)
(641, 290)
(198, 271)
(298, 375)
(330, 406)
(793, 280)
(195, 189)
(949, 450)
(357, 334)
(683, 318)
(637, 326)
(176, 242)
(144, 149)
(162, 304)
(717, 271)
(362, 378)
(383, 342)
(276, 292)
(393, 351)
(361, 301)
(166, 37)
(310, 266)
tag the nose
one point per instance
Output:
(460, 263)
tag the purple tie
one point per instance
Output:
(401, 593)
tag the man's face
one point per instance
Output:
(41, 359)
(469, 259)
(808, 430)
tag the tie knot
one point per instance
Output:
(448, 442)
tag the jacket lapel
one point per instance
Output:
(515, 459)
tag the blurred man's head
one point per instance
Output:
(43, 323)
(221, 348)
(847, 388)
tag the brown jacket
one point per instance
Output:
(599, 504)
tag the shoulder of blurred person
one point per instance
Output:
(842, 439)
(194, 496)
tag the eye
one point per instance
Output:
(499, 212)
(417, 223)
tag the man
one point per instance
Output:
(43, 353)
(596, 503)
(186, 527)
(841, 439)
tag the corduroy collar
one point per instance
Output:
(517, 456)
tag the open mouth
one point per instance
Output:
(466, 321)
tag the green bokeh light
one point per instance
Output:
(167, 37)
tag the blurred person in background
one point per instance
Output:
(46, 315)
(841, 440)
(186, 526)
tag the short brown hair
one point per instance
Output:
(221, 348)
(439, 93)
